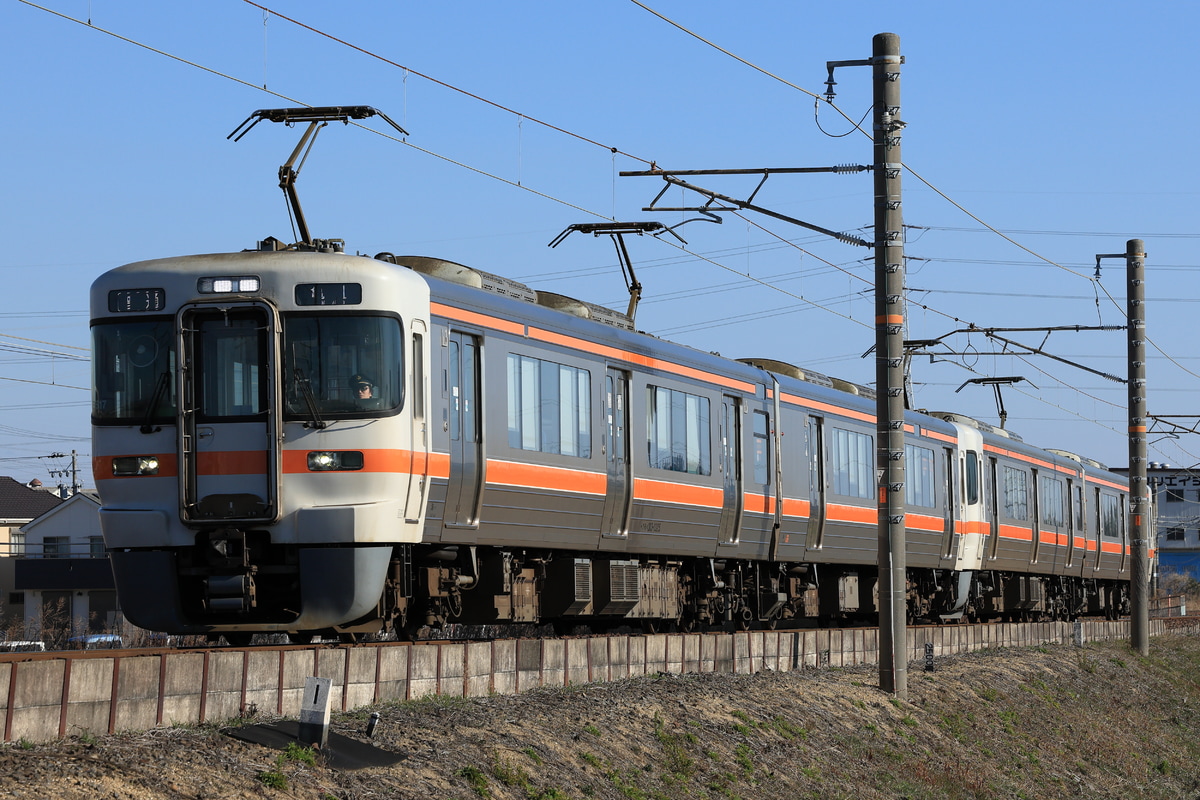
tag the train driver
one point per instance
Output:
(364, 391)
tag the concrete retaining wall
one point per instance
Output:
(44, 697)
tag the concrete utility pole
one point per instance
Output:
(1139, 488)
(1140, 504)
(889, 367)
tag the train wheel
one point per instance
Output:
(743, 619)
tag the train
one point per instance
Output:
(302, 441)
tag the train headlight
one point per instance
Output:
(334, 460)
(125, 466)
(233, 284)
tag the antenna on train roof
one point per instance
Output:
(317, 117)
(617, 231)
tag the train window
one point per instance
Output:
(762, 446)
(852, 458)
(971, 478)
(132, 367)
(1016, 493)
(919, 487)
(1051, 501)
(678, 431)
(342, 365)
(1079, 506)
(231, 363)
(1110, 516)
(418, 376)
(549, 407)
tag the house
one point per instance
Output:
(1177, 492)
(65, 573)
(20, 504)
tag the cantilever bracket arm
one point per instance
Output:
(733, 204)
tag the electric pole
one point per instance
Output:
(1139, 488)
(889, 367)
(72, 472)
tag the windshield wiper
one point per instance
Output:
(310, 400)
(160, 389)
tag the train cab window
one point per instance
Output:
(342, 365)
(549, 407)
(678, 431)
(760, 430)
(852, 460)
(133, 364)
(1016, 494)
(919, 486)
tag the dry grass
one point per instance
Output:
(1051, 722)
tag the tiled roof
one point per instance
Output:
(18, 501)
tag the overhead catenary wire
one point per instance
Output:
(518, 185)
(295, 101)
(923, 180)
(408, 70)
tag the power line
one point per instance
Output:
(46, 383)
(446, 85)
(1068, 233)
(518, 185)
(294, 101)
(1096, 283)
(39, 341)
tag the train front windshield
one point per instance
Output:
(133, 366)
(333, 366)
(340, 364)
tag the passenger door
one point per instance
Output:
(418, 466)
(814, 433)
(731, 470)
(618, 495)
(465, 425)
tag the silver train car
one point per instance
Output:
(313, 442)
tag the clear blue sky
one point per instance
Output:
(1069, 126)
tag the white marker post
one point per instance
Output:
(314, 712)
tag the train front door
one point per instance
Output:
(466, 433)
(229, 429)
(617, 498)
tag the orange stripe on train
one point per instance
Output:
(646, 489)
(536, 476)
